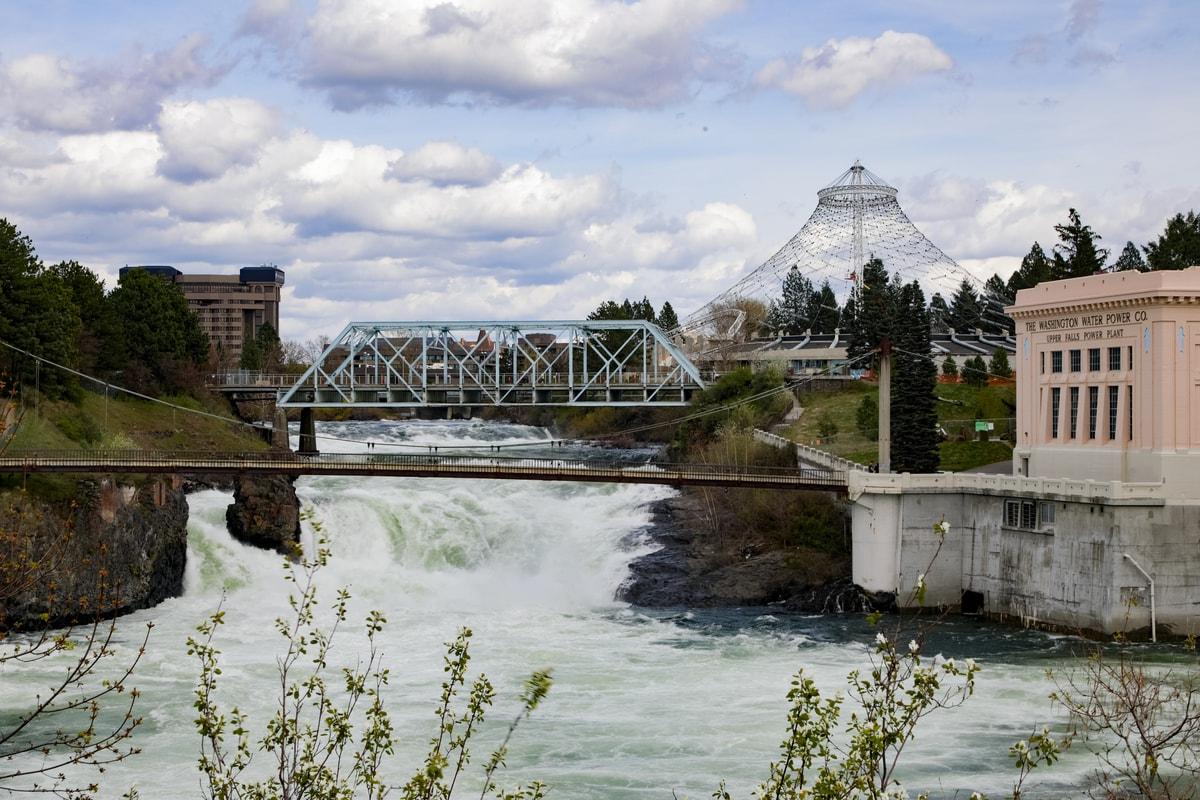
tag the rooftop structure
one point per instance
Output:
(857, 218)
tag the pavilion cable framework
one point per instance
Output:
(857, 218)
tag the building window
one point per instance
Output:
(1129, 402)
(1114, 358)
(1094, 359)
(1056, 361)
(1076, 361)
(1129, 363)
(1093, 408)
(1043, 355)
(1028, 515)
(1055, 404)
(1113, 395)
(1074, 426)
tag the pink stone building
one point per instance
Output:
(1108, 379)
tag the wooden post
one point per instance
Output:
(885, 405)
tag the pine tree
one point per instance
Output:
(1178, 247)
(161, 336)
(1077, 255)
(667, 320)
(993, 300)
(822, 310)
(998, 366)
(794, 305)
(950, 367)
(975, 372)
(965, 310)
(1035, 268)
(939, 313)
(1130, 260)
(914, 379)
(873, 320)
(252, 356)
(36, 314)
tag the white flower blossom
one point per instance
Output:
(880, 639)
(913, 647)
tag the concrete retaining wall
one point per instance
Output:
(1072, 573)
(809, 455)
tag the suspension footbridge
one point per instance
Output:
(431, 465)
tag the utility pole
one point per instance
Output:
(885, 405)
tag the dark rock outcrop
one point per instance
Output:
(265, 513)
(687, 572)
(116, 549)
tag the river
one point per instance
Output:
(644, 702)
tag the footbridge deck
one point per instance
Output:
(431, 465)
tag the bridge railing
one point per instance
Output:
(267, 380)
(198, 461)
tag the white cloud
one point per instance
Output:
(44, 92)
(202, 139)
(985, 224)
(456, 235)
(837, 72)
(445, 163)
(577, 52)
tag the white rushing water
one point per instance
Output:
(643, 703)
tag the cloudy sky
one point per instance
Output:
(409, 159)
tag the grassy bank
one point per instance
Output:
(122, 424)
(958, 407)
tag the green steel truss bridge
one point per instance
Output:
(497, 363)
(431, 465)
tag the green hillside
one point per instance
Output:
(959, 407)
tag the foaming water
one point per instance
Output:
(643, 703)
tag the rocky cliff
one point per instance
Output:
(113, 549)
(265, 513)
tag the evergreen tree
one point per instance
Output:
(950, 367)
(270, 347)
(1035, 268)
(822, 310)
(1077, 255)
(939, 313)
(998, 366)
(975, 372)
(994, 299)
(252, 355)
(1130, 260)
(36, 314)
(795, 303)
(667, 320)
(774, 319)
(914, 379)
(872, 322)
(99, 342)
(1178, 247)
(966, 314)
(162, 337)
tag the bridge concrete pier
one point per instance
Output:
(279, 430)
(308, 432)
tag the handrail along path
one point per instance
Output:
(431, 465)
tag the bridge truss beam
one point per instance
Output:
(497, 363)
